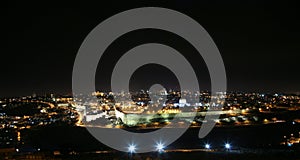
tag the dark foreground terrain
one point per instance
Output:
(248, 142)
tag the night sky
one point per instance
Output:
(258, 40)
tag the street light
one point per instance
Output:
(207, 146)
(160, 147)
(131, 148)
(227, 146)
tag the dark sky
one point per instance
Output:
(258, 40)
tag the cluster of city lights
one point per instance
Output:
(159, 147)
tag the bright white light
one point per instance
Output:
(207, 146)
(17, 150)
(227, 146)
(160, 147)
(131, 148)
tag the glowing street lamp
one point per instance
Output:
(207, 146)
(131, 148)
(160, 147)
(227, 146)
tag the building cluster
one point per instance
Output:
(20, 114)
(145, 108)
